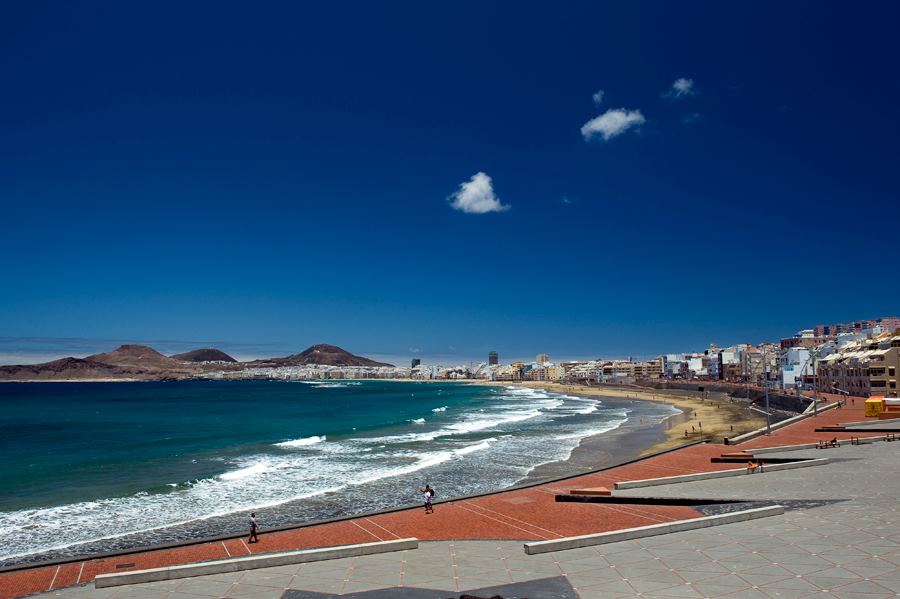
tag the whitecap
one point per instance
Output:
(253, 470)
(302, 442)
(475, 447)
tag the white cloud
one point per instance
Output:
(476, 196)
(598, 97)
(680, 89)
(612, 123)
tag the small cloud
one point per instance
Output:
(691, 118)
(565, 200)
(476, 196)
(415, 350)
(612, 123)
(598, 97)
(451, 347)
(681, 89)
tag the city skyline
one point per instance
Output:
(38, 350)
(426, 182)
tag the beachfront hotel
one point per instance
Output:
(864, 367)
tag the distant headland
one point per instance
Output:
(143, 363)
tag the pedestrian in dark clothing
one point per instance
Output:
(427, 496)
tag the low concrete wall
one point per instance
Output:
(251, 562)
(686, 478)
(650, 531)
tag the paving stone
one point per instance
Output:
(655, 581)
(251, 590)
(319, 585)
(748, 594)
(613, 587)
(583, 579)
(534, 566)
(267, 579)
(683, 590)
(443, 584)
(139, 593)
(200, 586)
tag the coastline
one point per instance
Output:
(631, 440)
(703, 418)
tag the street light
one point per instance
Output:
(814, 354)
(766, 384)
(846, 393)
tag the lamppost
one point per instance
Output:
(766, 384)
(846, 393)
(813, 352)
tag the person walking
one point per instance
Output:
(253, 528)
(427, 496)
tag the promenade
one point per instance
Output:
(838, 515)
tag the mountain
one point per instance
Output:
(128, 362)
(137, 357)
(64, 368)
(325, 355)
(139, 362)
(209, 354)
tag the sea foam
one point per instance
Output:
(304, 442)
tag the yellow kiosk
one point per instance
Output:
(875, 405)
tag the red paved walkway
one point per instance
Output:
(527, 514)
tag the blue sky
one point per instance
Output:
(284, 175)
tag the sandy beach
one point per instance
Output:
(717, 417)
(709, 418)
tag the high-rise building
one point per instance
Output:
(493, 358)
(416, 362)
(542, 358)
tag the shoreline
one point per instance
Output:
(703, 418)
(630, 440)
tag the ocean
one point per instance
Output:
(91, 467)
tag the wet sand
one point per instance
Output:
(623, 444)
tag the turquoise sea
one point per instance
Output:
(88, 467)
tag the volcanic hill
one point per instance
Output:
(139, 362)
(324, 355)
(207, 354)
